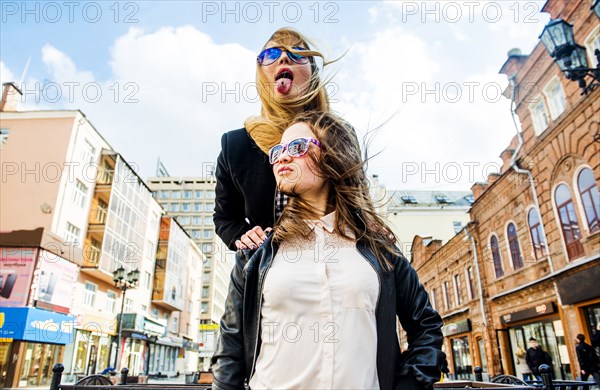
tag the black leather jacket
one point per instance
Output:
(245, 191)
(401, 295)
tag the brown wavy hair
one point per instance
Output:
(278, 112)
(340, 163)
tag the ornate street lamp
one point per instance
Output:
(123, 282)
(558, 39)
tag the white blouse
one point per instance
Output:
(318, 327)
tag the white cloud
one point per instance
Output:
(5, 74)
(172, 93)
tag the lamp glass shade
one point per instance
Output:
(557, 35)
(119, 274)
(133, 276)
(579, 57)
(596, 8)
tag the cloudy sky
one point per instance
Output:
(166, 79)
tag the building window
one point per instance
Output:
(447, 302)
(87, 152)
(128, 305)
(207, 234)
(470, 282)
(155, 313)
(183, 220)
(176, 194)
(198, 194)
(207, 248)
(457, 226)
(164, 194)
(72, 233)
(147, 280)
(457, 293)
(539, 115)
(590, 197)
(568, 221)
(513, 244)
(433, 299)
(111, 299)
(186, 207)
(79, 193)
(555, 96)
(196, 233)
(204, 307)
(210, 194)
(187, 194)
(209, 207)
(197, 207)
(89, 295)
(175, 325)
(174, 206)
(3, 137)
(205, 292)
(495, 248)
(537, 238)
(208, 221)
(592, 42)
(144, 309)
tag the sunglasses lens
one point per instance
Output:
(268, 56)
(298, 147)
(274, 153)
(297, 58)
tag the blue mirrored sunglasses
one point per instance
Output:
(296, 148)
(272, 54)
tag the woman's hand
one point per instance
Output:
(253, 238)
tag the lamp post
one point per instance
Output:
(571, 57)
(123, 282)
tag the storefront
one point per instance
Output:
(89, 354)
(543, 323)
(575, 290)
(32, 341)
(163, 355)
(459, 336)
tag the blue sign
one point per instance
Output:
(31, 324)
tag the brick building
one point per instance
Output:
(535, 225)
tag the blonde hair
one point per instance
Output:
(340, 164)
(278, 112)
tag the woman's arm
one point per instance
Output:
(420, 363)
(229, 217)
(228, 364)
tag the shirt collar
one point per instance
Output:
(327, 222)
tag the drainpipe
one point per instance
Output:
(517, 169)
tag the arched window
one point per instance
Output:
(590, 198)
(537, 238)
(513, 244)
(568, 221)
(496, 256)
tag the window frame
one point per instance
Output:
(514, 247)
(549, 93)
(536, 121)
(497, 262)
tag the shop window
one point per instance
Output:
(513, 244)
(590, 198)
(569, 223)
(537, 238)
(482, 357)
(495, 248)
(461, 357)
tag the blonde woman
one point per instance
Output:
(316, 306)
(288, 82)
